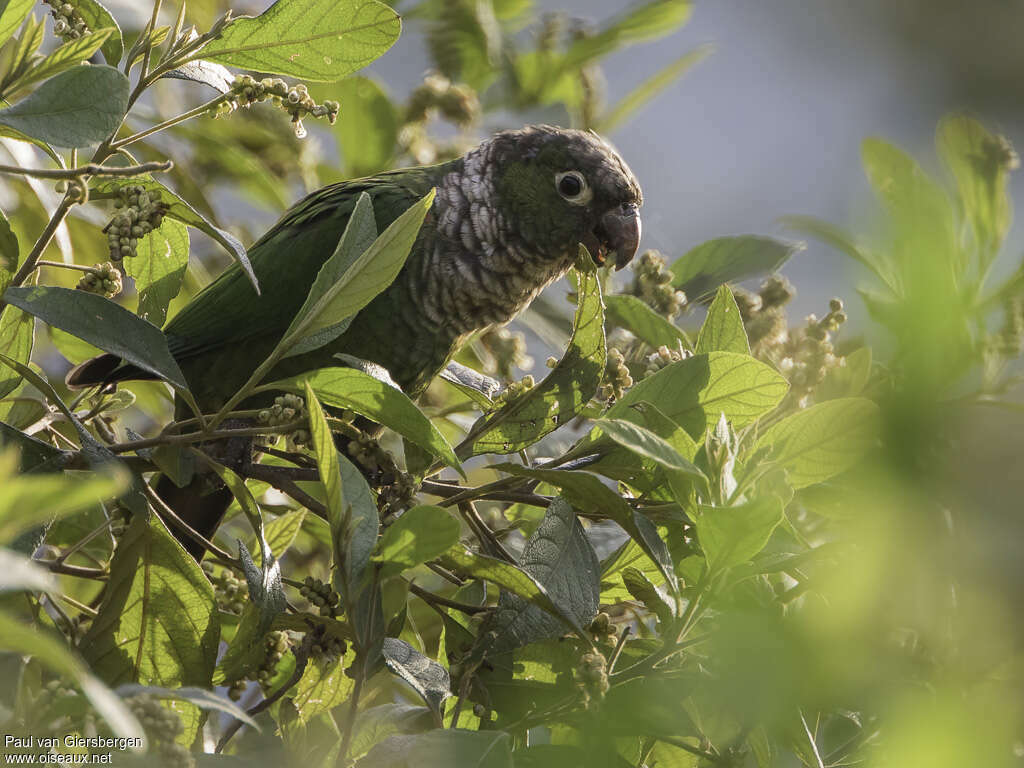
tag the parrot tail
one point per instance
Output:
(200, 504)
(104, 369)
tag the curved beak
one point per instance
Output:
(617, 235)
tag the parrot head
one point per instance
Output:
(563, 187)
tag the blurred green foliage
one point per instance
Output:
(730, 538)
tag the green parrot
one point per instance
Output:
(506, 221)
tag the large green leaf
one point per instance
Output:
(16, 637)
(12, 13)
(77, 108)
(723, 327)
(420, 534)
(559, 556)
(69, 55)
(428, 678)
(323, 686)
(822, 441)
(356, 273)
(560, 396)
(696, 391)
(633, 314)
(377, 400)
(317, 40)
(98, 17)
(647, 444)
(159, 268)
(103, 323)
(981, 164)
(733, 535)
(158, 622)
(352, 512)
(586, 492)
(17, 333)
(728, 259)
(651, 20)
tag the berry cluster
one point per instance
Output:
(591, 677)
(514, 390)
(293, 99)
(277, 645)
(507, 351)
(652, 282)
(438, 96)
(764, 314)
(104, 279)
(230, 591)
(396, 489)
(327, 647)
(321, 595)
(617, 378)
(663, 356)
(287, 409)
(68, 23)
(143, 212)
(162, 726)
(601, 627)
(810, 354)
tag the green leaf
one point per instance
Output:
(696, 391)
(643, 93)
(315, 40)
(352, 512)
(641, 588)
(98, 17)
(644, 22)
(375, 724)
(728, 259)
(54, 654)
(428, 678)
(848, 379)
(366, 128)
(103, 323)
(8, 252)
(918, 206)
(179, 209)
(355, 273)
(202, 698)
(77, 108)
(833, 236)
(281, 532)
(732, 536)
(17, 333)
(370, 397)
(723, 327)
(631, 313)
(585, 491)
(559, 556)
(502, 574)
(645, 443)
(32, 499)
(19, 572)
(12, 13)
(158, 622)
(981, 164)
(323, 686)
(823, 440)
(441, 748)
(159, 268)
(560, 396)
(70, 54)
(419, 535)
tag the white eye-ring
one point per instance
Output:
(573, 187)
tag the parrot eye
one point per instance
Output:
(573, 187)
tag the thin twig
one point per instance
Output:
(170, 515)
(72, 570)
(618, 648)
(92, 169)
(484, 533)
(202, 437)
(431, 598)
